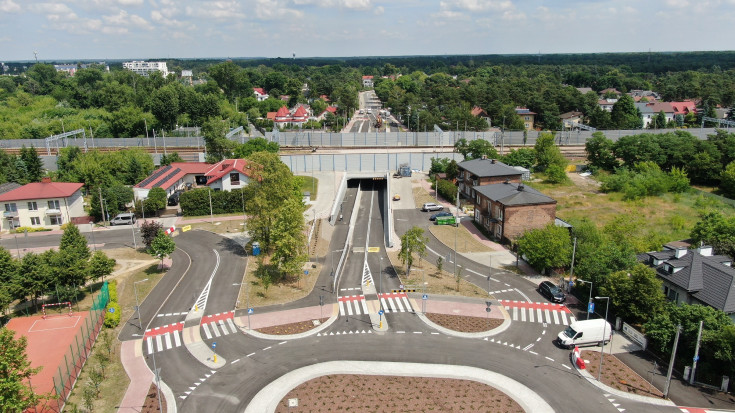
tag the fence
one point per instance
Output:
(79, 350)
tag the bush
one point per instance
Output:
(112, 319)
(196, 201)
(112, 287)
(20, 230)
(447, 190)
(645, 179)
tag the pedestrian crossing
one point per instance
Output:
(163, 338)
(390, 303)
(348, 302)
(394, 302)
(217, 325)
(547, 313)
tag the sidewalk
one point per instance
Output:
(140, 376)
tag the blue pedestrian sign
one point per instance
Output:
(251, 311)
(112, 309)
(306, 272)
(591, 308)
(696, 358)
(425, 297)
(380, 312)
(214, 344)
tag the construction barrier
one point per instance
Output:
(410, 290)
(577, 358)
(171, 230)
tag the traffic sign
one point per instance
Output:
(696, 358)
(214, 344)
(381, 312)
(488, 309)
(321, 300)
(251, 311)
(112, 309)
(425, 297)
(306, 272)
(591, 308)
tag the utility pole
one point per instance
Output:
(571, 270)
(671, 362)
(102, 207)
(696, 354)
(455, 235)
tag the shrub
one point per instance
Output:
(112, 287)
(196, 201)
(20, 230)
(112, 319)
(447, 190)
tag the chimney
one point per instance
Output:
(46, 180)
(680, 252)
(705, 250)
(520, 187)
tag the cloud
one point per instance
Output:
(9, 6)
(216, 10)
(274, 10)
(379, 11)
(345, 4)
(477, 5)
(449, 15)
(124, 19)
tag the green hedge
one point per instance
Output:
(112, 289)
(196, 201)
(447, 190)
(112, 319)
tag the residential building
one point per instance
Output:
(571, 119)
(607, 104)
(323, 115)
(260, 94)
(225, 175)
(296, 117)
(484, 171)
(367, 81)
(694, 276)
(527, 117)
(610, 92)
(42, 204)
(683, 108)
(648, 95)
(649, 110)
(481, 113)
(71, 69)
(584, 90)
(146, 68)
(507, 210)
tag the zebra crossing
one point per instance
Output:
(163, 338)
(394, 302)
(531, 312)
(346, 304)
(390, 303)
(217, 325)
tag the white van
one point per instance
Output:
(585, 332)
(123, 219)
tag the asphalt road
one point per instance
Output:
(112, 237)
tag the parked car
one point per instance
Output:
(173, 200)
(440, 214)
(430, 206)
(123, 219)
(585, 332)
(551, 291)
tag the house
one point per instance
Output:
(225, 175)
(683, 108)
(284, 98)
(271, 116)
(329, 109)
(477, 172)
(584, 90)
(42, 204)
(610, 92)
(481, 113)
(146, 68)
(607, 104)
(260, 94)
(648, 95)
(367, 81)
(651, 109)
(297, 117)
(507, 210)
(325, 98)
(695, 276)
(527, 117)
(571, 119)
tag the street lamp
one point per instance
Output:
(590, 299)
(137, 305)
(602, 342)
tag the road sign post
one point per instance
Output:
(423, 303)
(214, 345)
(380, 313)
(487, 310)
(591, 308)
(250, 311)
(321, 306)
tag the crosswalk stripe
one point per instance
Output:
(168, 341)
(206, 331)
(385, 306)
(530, 315)
(357, 307)
(341, 308)
(222, 325)
(556, 317)
(349, 308)
(563, 317)
(515, 313)
(177, 340)
(364, 306)
(539, 317)
(232, 325)
(400, 306)
(408, 304)
(159, 343)
(523, 315)
(392, 306)
(215, 330)
(571, 319)
(149, 341)
(547, 316)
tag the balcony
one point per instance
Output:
(53, 212)
(10, 214)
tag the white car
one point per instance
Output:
(430, 206)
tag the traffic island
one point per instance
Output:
(464, 324)
(462, 317)
(292, 328)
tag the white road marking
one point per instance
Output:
(556, 317)
(341, 308)
(168, 341)
(400, 306)
(548, 358)
(349, 308)
(357, 306)
(159, 343)
(515, 313)
(235, 361)
(177, 339)
(149, 341)
(364, 306)
(215, 330)
(547, 316)
(523, 314)
(539, 317)
(224, 327)
(534, 353)
(232, 325)
(267, 348)
(206, 331)
(251, 354)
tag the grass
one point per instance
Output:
(442, 283)
(465, 241)
(220, 227)
(309, 184)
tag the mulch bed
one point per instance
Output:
(292, 328)
(151, 401)
(358, 393)
(464, 324)
(618, 375)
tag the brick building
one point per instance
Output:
(484, 171)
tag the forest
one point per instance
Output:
(38, 101)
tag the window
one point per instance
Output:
(11, 208)
(32, 206)
(53, 204)
(35, 220)
(235, 179)
(55, 219)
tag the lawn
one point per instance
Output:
(309, 184)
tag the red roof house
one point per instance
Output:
(42, 204)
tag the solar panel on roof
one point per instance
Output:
(155, 175)
(169, 176)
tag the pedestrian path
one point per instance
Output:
(395, 302)
(163, 338)
(217, 325)
(348, 302)
(531, 312)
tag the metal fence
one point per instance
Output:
(364, 162)
(78, 352)
(308, 138)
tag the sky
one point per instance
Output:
(149, 29)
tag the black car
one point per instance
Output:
(440, 214)
(551, 291)
(173, 200)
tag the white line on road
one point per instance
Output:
(282, 342)
(527, 347)
(549, 358)
(417, 332)
(435, 333)
(568, 368)
(521, 293)
(251, 354)
(400, 332)
(534, 353)
(269, 347)
(235, 361)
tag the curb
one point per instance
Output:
(501, 328)
(311, 332)
(625, 395)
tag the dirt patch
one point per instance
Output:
(151, 401)
(292, 328)
(464, 240)
(220, 227)
(442, 283)
(420, 196)
(463, 323)
(618, 375)
(584, 183)
(341, 393)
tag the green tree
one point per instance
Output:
(32, 278)
(255, 145)
(715, 230)
(8, 273)
(170, 158)
(412, 242)
(625, 115)
(165, 105)
(32, 162)
(452, 170)
(600, 152)
(16, 395)
(547, 153)
(149, 230)
(100, 265)
(218, 147)
(72, 241)
(525, 157)
(546, 248)
(479, 148)
(635, 295)
(155, 201)
(289, 238)
(727, 180)
(162, 246)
